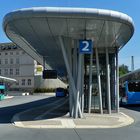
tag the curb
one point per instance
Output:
(129, 120)
(69, 123)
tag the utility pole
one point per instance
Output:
(132, 63)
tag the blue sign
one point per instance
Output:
(85, 46)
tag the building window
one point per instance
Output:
(11, 61)
(6, 61)
(17, 53)
(23, 82)
(0, 71)
(11, 71)
(5, 71)
(6, 53)
(17, 60)
(29, 82)
(11, 53)
(0, 61)
(17, 71)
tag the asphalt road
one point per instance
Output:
(9, 132)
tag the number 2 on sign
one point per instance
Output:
(86, 46)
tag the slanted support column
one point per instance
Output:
(71, 81)
(108, 81)
(71, 100)
(99, 81)
(117, 82)
(90, 83)
(75, 62)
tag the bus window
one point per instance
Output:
(134, 86)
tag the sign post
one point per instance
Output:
(86, 47)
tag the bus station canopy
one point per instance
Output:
(37, 29)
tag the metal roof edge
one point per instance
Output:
(68, 12)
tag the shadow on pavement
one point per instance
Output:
(135, 107)
(50, 111)
(6, 113)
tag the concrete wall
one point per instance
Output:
(48, 83)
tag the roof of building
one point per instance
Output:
(36, 30)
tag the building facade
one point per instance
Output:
(17, 64)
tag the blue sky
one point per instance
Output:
(129, 7)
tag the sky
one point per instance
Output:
(129, 7)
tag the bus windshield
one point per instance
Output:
(134, 86)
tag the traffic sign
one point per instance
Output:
(85, 46)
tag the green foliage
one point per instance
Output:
(123, 69)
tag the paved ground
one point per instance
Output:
(9, 107)
(15, 105)
(55, 115)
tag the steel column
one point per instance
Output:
(108, 81)
(90, 83)
(99, 81)
(82, 85)
(117, 82)
(75, 62)
(79, 78)
(69, 51)
(72, 83)
(74, 74)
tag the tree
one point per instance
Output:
(123, 69)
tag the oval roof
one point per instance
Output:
(37, 29)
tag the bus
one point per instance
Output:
(2, 88)
(130, 93)
(4, 84)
